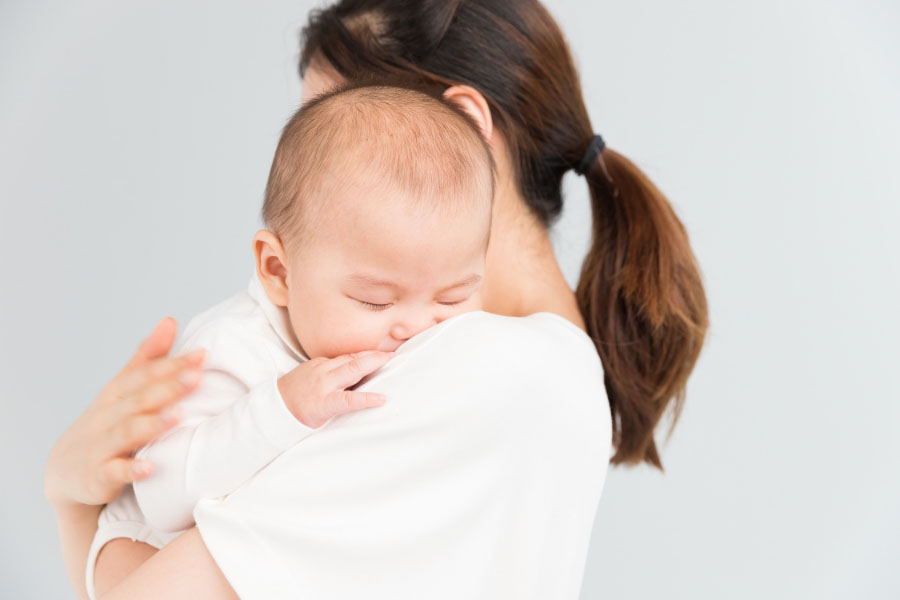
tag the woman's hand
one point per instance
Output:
(92, 462)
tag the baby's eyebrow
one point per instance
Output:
(370, 280)
(470, 280)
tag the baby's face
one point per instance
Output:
(378, 273)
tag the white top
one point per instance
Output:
(479, 478)
(234, 423)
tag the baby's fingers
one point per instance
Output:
(346, 401)
(356, 366)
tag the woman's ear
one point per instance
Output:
(271, 266)
(473, 102)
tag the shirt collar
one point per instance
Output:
(277, 316)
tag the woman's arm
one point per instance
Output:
(184, 568)
(76, 524)
(91, 462)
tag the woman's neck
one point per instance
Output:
(522, 274)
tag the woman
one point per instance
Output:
(639, 298)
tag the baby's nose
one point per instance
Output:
(411, 326)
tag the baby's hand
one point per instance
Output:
(317, 390)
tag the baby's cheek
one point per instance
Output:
(348, 335)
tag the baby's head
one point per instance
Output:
(378, 209)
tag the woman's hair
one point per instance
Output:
(640, 290)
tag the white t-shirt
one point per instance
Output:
(234, 423)
(479, 478)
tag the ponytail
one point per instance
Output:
(642, 298)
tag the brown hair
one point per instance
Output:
(403, 133)
(640, 290)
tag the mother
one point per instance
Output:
(639, 298)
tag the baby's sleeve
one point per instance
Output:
(234, 423)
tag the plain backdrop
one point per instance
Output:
(135, 142)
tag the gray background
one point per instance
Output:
(135, 140)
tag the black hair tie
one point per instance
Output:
(590, 155)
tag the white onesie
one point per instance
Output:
(234, 423)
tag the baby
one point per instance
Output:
(378, 209)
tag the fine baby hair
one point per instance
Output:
(400, 135)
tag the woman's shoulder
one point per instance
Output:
(503, 365)
(534, 326)
(543, 338)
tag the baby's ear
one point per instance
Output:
(472, 101)
(271, 266)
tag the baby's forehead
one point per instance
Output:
(385, 230)
(374, 203)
